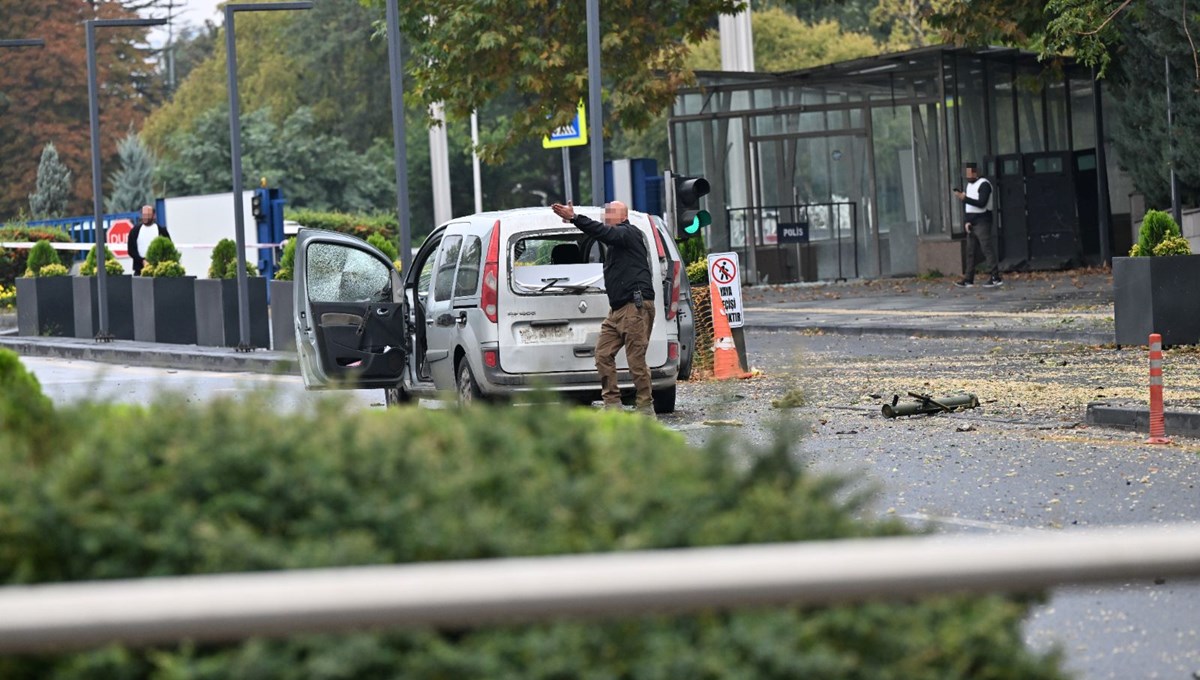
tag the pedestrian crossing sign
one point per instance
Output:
(571, 134)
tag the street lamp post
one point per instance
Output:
(102, 334)
(595, 112)
(235, 152)
(399, 142)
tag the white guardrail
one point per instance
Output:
(473, 593)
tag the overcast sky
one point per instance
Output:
(196, 11)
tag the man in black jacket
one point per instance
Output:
(628, 281)
(140, 237)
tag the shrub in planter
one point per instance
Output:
(1158, 227)
(697, 273)
(217, 321)
(234, 485)
(40, 255)
(164, 298)
(111, 265)
(287, 261)
(8, 296)
(693, 248)
(1153, 288)
(44, 295)
(118, 291)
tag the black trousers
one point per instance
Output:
(982, 237)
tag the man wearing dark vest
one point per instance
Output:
(981, 232)
(140, 237)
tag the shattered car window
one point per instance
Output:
(338, 273)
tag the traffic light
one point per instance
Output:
(256, 205)
(688, 215)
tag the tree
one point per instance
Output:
(132, 184)
(53, 186)
(783, 42)
(467, 53)
(905, 23)
(44, 93)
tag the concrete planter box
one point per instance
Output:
(164, 309)
(1156, 295)
(44, 306)
(119, 293)
(283, 327)
(217, 312)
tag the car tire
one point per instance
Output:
(664, 400)
(467, 388)
(398, 396)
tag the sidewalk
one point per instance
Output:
(1071, 306)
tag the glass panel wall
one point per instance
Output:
(1057, 122)
(1083, 117)
(1004, 125)
(1030, 123)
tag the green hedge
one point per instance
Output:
(361, 226)
(175, 487)
(13, 260)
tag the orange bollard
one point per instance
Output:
(1158, 433)
(725, 356)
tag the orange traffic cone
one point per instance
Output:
(725, 355)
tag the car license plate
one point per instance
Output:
(544, 334)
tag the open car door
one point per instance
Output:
(349, 311)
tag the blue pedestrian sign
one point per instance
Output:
(571, 134)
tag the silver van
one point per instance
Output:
(494, 304)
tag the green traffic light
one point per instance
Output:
(702, 219)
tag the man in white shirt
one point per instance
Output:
(142, 235)
(981, 234)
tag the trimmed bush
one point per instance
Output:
(169, 269)
(53, 269)
(111, 265)
(386, 246)
(14, 261)
(362, 226)
(8, 296)
(693, 248)
(162, 250)
(176, 487)
(224, 253)
(40, 255)
(27, 420)
(697, 272)
(287, 262)
(1157, 225)
(1172, 245)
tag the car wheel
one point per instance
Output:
(468, 389)
(397, 396)
(664, 400)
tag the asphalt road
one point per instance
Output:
(1021, 463)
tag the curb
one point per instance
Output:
(1178, 423)
(1085, 337)
(189, 357)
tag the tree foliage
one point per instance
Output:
(53, 186)
(133, 182)
(467, 53)
(783, 42)
(44, 93)
(175, 487)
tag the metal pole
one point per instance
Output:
(235, 154)
(1103, 209)
(23, 42)
(399, 141)
(1175, 207)
(101, 232)
(595, 112)
(102, 334)
(566, 156)
(475, 174)
(471, 593)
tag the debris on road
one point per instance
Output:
(925, 404)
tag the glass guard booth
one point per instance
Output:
(845, 171)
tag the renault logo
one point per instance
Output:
(582, 307)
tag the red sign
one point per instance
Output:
(118, 237)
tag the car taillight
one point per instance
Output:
(491, 358)
(676, 284)
(488, 300)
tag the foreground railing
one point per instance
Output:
(472, 593)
